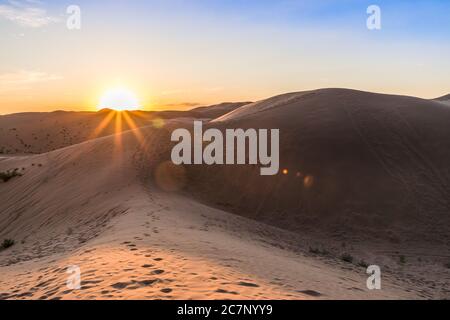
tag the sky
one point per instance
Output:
(178, 54)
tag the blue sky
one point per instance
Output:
(402, 18)
(174, 53)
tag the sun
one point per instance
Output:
(119, 99)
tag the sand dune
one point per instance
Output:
(377, 160)
(444, 99)
(366, 177)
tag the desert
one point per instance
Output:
(359, 189)
(225, 158)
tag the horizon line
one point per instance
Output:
(193, 106)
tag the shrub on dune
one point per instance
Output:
(8, 175)
(7, 243)
(347, 258)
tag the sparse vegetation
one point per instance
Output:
(314, 250)
(318, 251)
(8, 175)
(363, 264)
(347, 258)
(402, 259)
(7, 243)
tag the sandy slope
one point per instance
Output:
(103, 205)
(133, 241)
(357, 160)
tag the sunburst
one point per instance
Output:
(122, 109)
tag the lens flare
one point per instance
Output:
(119, 99)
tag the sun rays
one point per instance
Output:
(120, 111)
(103, 125)
(122, 121)
(118, 131)
(134, 128)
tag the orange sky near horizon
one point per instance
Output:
(179, 55)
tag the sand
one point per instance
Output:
(140, 228)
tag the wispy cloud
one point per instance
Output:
(26, 77)
(23, 79)
(27, 13)
(173, 92)
(179, 106)
(181, 91)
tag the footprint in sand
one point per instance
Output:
(248, 284)
(148, 282)
(227, 292)
(120, 285)
(158, 272)
(311, 293)
(134, 284)
(166, 290)
(92, 281)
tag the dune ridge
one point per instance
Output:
(444, 99)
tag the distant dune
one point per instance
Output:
(34, 133)
(445, 99)
(367, 182)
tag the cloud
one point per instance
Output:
(180, 105)
(26, 14)
(173, 92)
(180, 91)
(23, 79)
(214, 89)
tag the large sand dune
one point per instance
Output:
(367, 177)
(355, 160)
